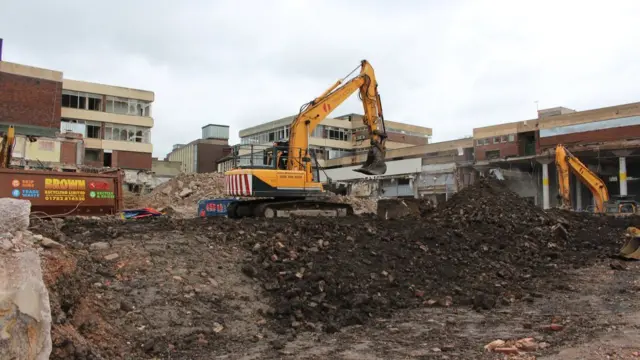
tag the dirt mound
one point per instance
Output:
(198, 288)
(151, 289)
(486, 248)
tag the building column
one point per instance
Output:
(578, 195)
(545, 182)
(545, 186)
(623, 175)
(622, 178)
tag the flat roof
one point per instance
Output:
(215, 125)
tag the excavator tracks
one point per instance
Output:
(270, 208)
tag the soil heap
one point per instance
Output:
(194, 288)
(486, 247)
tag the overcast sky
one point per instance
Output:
(449, 65)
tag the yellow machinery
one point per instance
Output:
(284, 182)
(631, 248)
(6, 147)
(565, 162)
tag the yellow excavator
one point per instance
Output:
(284, 185)
(6, 147)
(566, 162)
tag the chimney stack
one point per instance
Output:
(0, 49)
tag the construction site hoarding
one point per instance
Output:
(64, 193)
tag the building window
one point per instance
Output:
(493, 154)
(93, 131)
(94, 104)
(124, 106)
(512, 138)
(504, 138)
(91, 155)
(338, 134)
(80, 100)
(496, 139)
(127, 133)
(479, 142)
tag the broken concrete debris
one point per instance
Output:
(184, 191)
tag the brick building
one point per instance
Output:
(76, 122)
(202, 155)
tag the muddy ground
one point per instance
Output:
(485, 266)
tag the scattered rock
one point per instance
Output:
(511, 350)
(217, 327)
(126, 306)
(552, 327)
(5, 244)
(185, 192)
(494, 345)
(50, 244)
(527, 344)
(249, 270)
(101, 245)
(617, 266)
(278, 344)
(111, 257)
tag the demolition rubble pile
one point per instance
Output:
(487, 247)
(186, 189)
(198, 288)
(360, 205)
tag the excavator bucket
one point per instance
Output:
(374, 165)
(631, 249)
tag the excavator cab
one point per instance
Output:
(621, 205)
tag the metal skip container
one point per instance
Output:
(64, 193)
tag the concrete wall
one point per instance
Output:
(412, 151)
(398, 167)
(118, 145)
(99, 116)
(506, 149)
(580, 117)
(608, 130)
(102, 89)
(131, 160)
(164, 168)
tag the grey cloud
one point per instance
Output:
(451, 66)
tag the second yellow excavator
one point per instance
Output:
(285, 184)
(6, 147)
(566, 162)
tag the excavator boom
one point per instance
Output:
(6, 147)
(565, 162)
(312, 114)
(285, 185)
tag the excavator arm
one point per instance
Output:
(565, 162)
(312, 114)
(6, 147)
